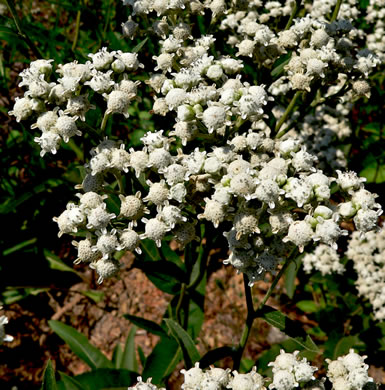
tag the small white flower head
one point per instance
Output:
(353, 361)
(132, 207)
(92, 183)
(303, 161)
(284, 361)
(144, 385)
(186, 131)
(245, 48)
(3, 336)
(300, 81)
(49, 142)
(303, 371)
(130, 240)
(120, 159)
(66, 126)
(65, 224)
(106, 268)
(90, 200)
(358, 378)
(130, 60)
(164, 62)
(336, 369)
(288, 146)
(98, 218)
(139, 161)
(46, 121)
(222, 195)
(39, 88)
(363, 199)
(107, 243)
(223, 153)
(214, 117)
(298, 190)
(22, 109)
(129, 28)
(102, 59)
(192, 377)
(300, 234)
(178, 192)
(85, 252)
(268, 192)
(182, 31)
(159, 159)
(361, 88)
(101, 82)
(346, 209)
(238, 166)
(158, 193)
(283, 380)
(349, 181)
(328, 232)
(215, 72)
(118, 102)
(238, 143)
(155, 230)
(128, 86)
(171, 215)
(214, 212)
(243, 185)
(156, 81)
(341, 383)
(323, 211)
(175, 173)
(280, 220)
(217, 7)
(249, 381)
(316, 67)
(161, 27)
(184, 233)
(231, 65)
(78, 106)
(100, 163)
(194, 162)
(319, 38)
(175, 97)
(245, 223)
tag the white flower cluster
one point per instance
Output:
(368, 255)
(324, 259)
(3, 336)
(218, 160)
(376, 16)
(57, 107)
(348, 372)
(289, 372)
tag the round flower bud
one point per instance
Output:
(283, 380)
(130, 240)
(118, 102)
(158, 193)
(22, 109)
(215, 212)
(66, 127)
(245, 223)
(159, 159)
(155, 230)
(214, 117)
(184, 233)
(132, 207)
(98, 218)
(85, 252)
(192, 377)
(106, 268)
(300, 233)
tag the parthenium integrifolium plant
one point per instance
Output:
(237, 153)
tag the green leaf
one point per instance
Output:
(129, 355)
(288, 326)
(56, 263)
(167, 276)
(150, 250)
(69, 383)
(19, 246)
(80, 345)
(137, 48)
(171, 255)
(49, 381)
(307, 306)
(117, 356)
(344, 344)
(148, 325)
(215, 355)
(189, 350)
(162, 360)
(96, 296)
(280, 64)
(103, 378)
(142, 356)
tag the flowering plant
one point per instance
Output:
(250, 102)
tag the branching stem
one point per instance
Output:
(285, 115)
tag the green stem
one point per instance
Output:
(179, 304)
(276, 279)
(248, 324)
(77, 26)
(17, 21)
(118, 178)
(285, 115)
(294, 12)
(104, 122)
(336, 11)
